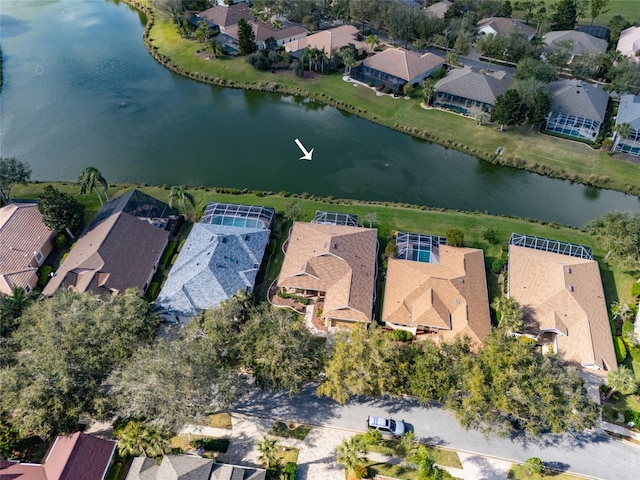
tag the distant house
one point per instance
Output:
(190, 467)
(25, 242)
(577, 109)
(120, 249)
(438, 9)
(574, 42)
(504, 26)
(395, 67)
(221, 17)
(628, 112)
(330, 40)
(333, 261)
(470, 92)
(263, 31)
(559, 289)
(72, 457)
(221, 256)
(629, 44)
(436, 289)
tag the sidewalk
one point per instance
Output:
(317, 452)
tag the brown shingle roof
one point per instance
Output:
(450, 295)
(72, 457)
(22, 233)
(118, 253)
(262, 31)
(225, 16)
(329, 40)
(564, 293)
(506, 26)
(339, 260)
(402, 63)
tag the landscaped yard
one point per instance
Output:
(518, 473)
(291, 430)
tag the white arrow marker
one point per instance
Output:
(307, 155)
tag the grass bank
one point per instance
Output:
(522, 148)
(391, 217)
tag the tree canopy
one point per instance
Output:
(12, 171)
(246, 38)
(509, 109)
(618, 233)
(68, 345)
(565, 15)
(60, 211)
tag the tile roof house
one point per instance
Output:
(629, 43)
(468, 91)
(576, 43)
(563, 300)
(190, 467)
(25, 242)
(438, 9)
(72, 457)
(120, 249)
(329, 40)
(628, 112)
(221, 17)
(393, 68)
(263, 31)
(446, 295)
(216, 261)
(577, 108)
(337, 265)
(504, 26)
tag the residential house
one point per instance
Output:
(120, 249)
(469, 91)
(559, 289)
(575, 43)
(190, 467)
(221, 17)
(263, 31)
(505, 26)
(436, 289)
(628, 112)
(393, 68)
(577, 109)
(333, 261)
(221, 256)
(330, 40)
(438, 9)
(25, 242)
(629, 44)
(72, 457)
(597, 31)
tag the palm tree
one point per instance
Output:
(89, 179)
(622, 380)
(624, 129)
(137, 438)
(510, 314)
(372, 41)
(351, 453)
(268, 457)
(215, 48)
(179, 195)
(423, 462)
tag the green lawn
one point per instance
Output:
(298, 432)
(626, 8)
(392, 217)
(551, 156)
(518, 472)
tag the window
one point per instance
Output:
(38, 256)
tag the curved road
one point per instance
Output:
(595, 455)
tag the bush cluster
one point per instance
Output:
(293, 296)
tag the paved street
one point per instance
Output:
(594, 455)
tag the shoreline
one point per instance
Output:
(622, 184)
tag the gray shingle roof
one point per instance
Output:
(232, 472)
(578, 98)
(471, 84)
(583, 43)
(215, 262)
(143, 468)
(184, 467)
(629, 111)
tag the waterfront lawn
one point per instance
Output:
(626, 8)
(391, 218)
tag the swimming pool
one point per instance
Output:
(237, 222)
(421, 254)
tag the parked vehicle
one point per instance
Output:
(386, 426)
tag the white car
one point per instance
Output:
(387, 426)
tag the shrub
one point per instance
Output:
(533, 466)
(455, 237)
(619, 347)
(627, 330)
(401, 335)
(490, 235)
(293, 296)
(360, 471)
(290, 470)
(635, 289)
(632, 416)
(60, 241)
(497, 265)
(373, 437)
(168, 253)
(212, 444)
(44, 272)
(152, 291)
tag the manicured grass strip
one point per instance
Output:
(518, 472)
(211, 444)
(281, 429)
(219, 420)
